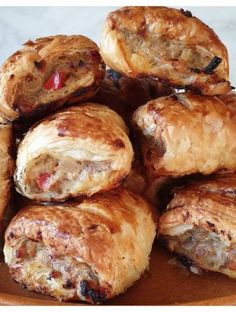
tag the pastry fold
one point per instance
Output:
(47, 73)
(6, 171)
(78, 151)
(187, 133)
(200, 223)
(89, 250)
(166, 43)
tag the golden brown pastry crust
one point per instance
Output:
(209, 203)
(111, 233)
(78, 151)
(28, 84)
(6, 170)
(207, 209)
(186, 133)
(165, 43)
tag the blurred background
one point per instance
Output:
(18, 24)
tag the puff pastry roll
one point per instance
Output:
(187, 133)
(199, 224)
(90, 250)
(78, 151)
(168, 44)
(48, 72)
(6, 171)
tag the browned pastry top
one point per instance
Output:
(46, 73)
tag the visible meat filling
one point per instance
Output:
(56, 175)
(33, 265)
(206, 249)
(163, 50)
(50, 83)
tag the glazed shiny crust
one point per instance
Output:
(166, 43)
(6, 171)
(78, 151)
(25, 86)
(112, 234)
(187, 133)
(208, 205)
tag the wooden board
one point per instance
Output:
(164, 284)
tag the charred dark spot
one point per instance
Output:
(61, 130)
(212, 65)
(69, 285)
(93, 227)
(232, 88)
(195, 70)
(211, 225)
(81, 63)
(229, 237)
(40, 65)
(118, 143)
(186, 13)
(96, 295)
(222, 232)
(12, 76)
(24, 286)
(186, 262)
(122, 179)
(11, 236)
(39, 235)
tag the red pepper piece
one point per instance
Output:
(56, 81)
(43, 180)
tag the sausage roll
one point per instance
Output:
(199, 224)
(90, 250)
(168, 44)
(78, 151)
(187, 133)
(48, 72)
(6, 171)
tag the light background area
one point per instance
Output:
(18, 24)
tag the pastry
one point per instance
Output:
(47, 73)
(199, 224)
(168, 44)
(6, 172)
(187, 133)
(87, 250)
(78, 151)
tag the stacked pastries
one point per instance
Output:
(191, 132)
(95, 246)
